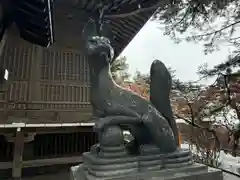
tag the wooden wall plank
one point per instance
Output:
(52, 75)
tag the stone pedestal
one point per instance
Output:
(191, 172)
(113, 163)
(111, 160)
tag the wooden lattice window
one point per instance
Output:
(17, 59)
(64, 66)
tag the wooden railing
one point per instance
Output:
(50, 146)
(45, 106)
(45, 150)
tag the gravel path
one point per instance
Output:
(230, 177)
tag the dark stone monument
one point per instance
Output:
(155, 152)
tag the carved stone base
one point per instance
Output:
(191, 172)
(113, 162)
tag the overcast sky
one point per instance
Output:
(185, 58)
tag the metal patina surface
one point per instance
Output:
(154, 152)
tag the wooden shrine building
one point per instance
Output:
(44, 109)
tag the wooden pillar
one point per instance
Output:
(18, 155)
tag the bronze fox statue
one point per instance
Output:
(117, 106)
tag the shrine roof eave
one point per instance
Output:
(125, 29)
(126, 18)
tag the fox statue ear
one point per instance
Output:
(89, 30)
(106, 31)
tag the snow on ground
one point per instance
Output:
(227, 161)
(230, 163)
